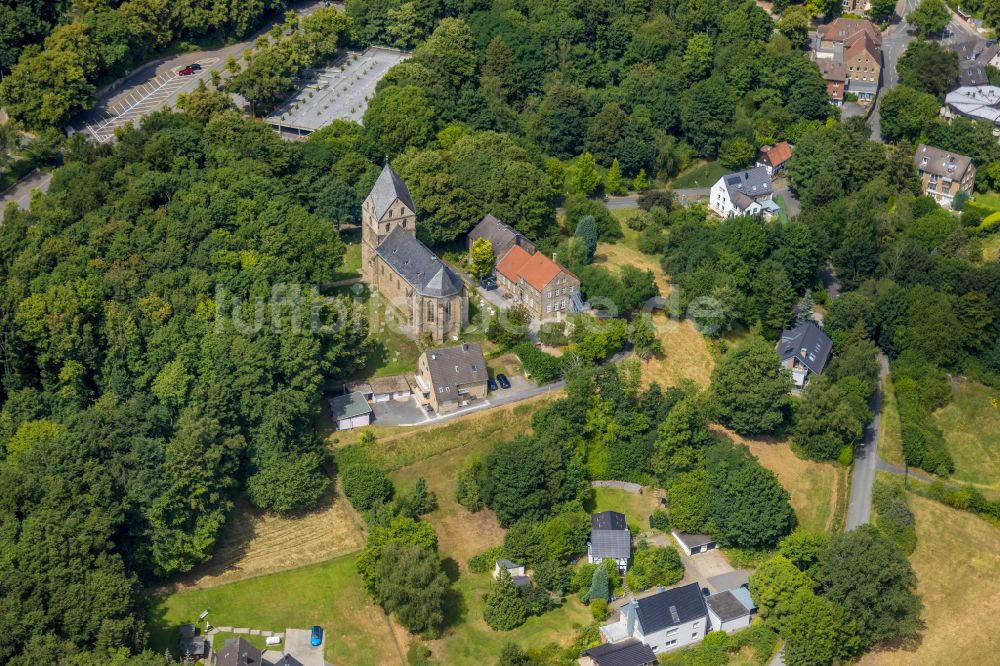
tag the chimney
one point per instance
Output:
(465, 346)
(554, 258)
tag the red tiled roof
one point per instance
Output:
(536, 269)
(842, 29)
(777, 154)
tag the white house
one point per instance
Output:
(610, 538)
(743, 193)
(350, 411)
(727, 612)
(516, 571)
(668, 620)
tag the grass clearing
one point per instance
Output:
(783, 214)
(956, 562)
(219, 640)
(685, 355)
(393, 352)
(991, 249)
(890, 439)
(815, 488)
(702, 175)
(619, 254)
(256, 542)
(988, 200)
(636, 507)
(329, 594)
(971, 427)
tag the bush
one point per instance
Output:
(661, 520)
(652, 241)
(654, 566)
(486, 560)
(608, 228)
(552, 576)
(553, 334)
(366, 486)
(661, 198)
(846, 457)
(418, 654)
(467, 490)
(639, 221)
(541, 367)
(599, 609)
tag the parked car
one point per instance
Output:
(187, 71)
(491, 384)
(503, 381)
(316, 637)
(489, 283)
(195, 66)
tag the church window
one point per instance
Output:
(430, 312)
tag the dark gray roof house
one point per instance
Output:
(501, 236)
(805, 346)
(389, 187)
(615, 544)
(726, 606)
(348, 406)
(629, 652)
(238, 652)
(973, 57)
(668, 608)
(454, 367)
(608, 520)
(196, 646)
(420, 267)
(752, 183)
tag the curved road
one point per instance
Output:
(20, 192)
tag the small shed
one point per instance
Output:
(350, 411)
(364, 388)
(693, 544)
(727, 613)
(195, 646)
(395, 387)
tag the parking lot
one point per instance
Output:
(144, 99)
(297, 645)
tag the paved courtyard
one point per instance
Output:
(297, 645)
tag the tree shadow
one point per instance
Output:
(450, 567)
(456, 609)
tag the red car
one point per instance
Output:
(187, 71)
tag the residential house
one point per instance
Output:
(944, 174)
(727, 613)
(974, 56)
(431, 298)
(502, 237)
(774, 158)
(803, 350)
(836, 80)
(537, 282)
(975, 102)
(859, 7)
(191, 644)
(452, 376)
(239, 652)
(856, 45)
(694, 543)
(747, 192)
(610, 538)
(350, 411)
(516, 571)
(667, 620)
(629, 652)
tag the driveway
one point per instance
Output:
(398, 412)
(20, 192)
(297, 645)
(782, 190)
(859, 510)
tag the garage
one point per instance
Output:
(350, 411)
(692, 544)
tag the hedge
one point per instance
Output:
(542, 367)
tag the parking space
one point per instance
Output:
(297, 644)
(144, 99)
(398, 412)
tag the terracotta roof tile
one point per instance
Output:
(777, 154)
(512, 263)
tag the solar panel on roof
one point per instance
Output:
(674, 616)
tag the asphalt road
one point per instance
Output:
(20, 193)
(866, 460)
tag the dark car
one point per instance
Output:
(316, 637)
(187, 71)
(195, 66)
(503, 381)
(489, 283)
(491, 384)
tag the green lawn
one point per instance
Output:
(703, 175)
(393, 352)
(890, 442)
(971, 426)
(783, 215)
(328, 594)
(991, 248)
(219, 640)
(636, 507)
(988, 200)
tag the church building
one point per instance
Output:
(430, 297)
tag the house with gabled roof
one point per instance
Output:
(502, 237)
(451, 377)
(537, 282)
(804, 350)
(855, 47)
(774, 158)
(430, 297)
(943, 174)
(666, 620)
(610, 538)
(629, 652)
(747, 192)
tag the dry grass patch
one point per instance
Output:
(815, 488)
(620, 255)
(685, 355)
(956, 562)
(256, 542)
(971, 427)
(890, 437)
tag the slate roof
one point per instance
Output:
(520, 581)
(692, 540)
(616, 544)
(726, 606)
(238, 652)
(808, 343)
(420, 267)
(507, 564)
(348, 406)
(669, 608)
(501, 236)
(979, 102)
(608, 520)
(389, 187)
(452, 367)
(629, 652)
(775, 155)
(941, 162)
(752, 182)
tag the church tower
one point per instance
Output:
(388, 207)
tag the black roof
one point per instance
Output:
(389, 187)
(670, 608)
(726, 606)
(420, 267)
(238, 652)
(608, 520)
(808, 343)
(629, 652)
